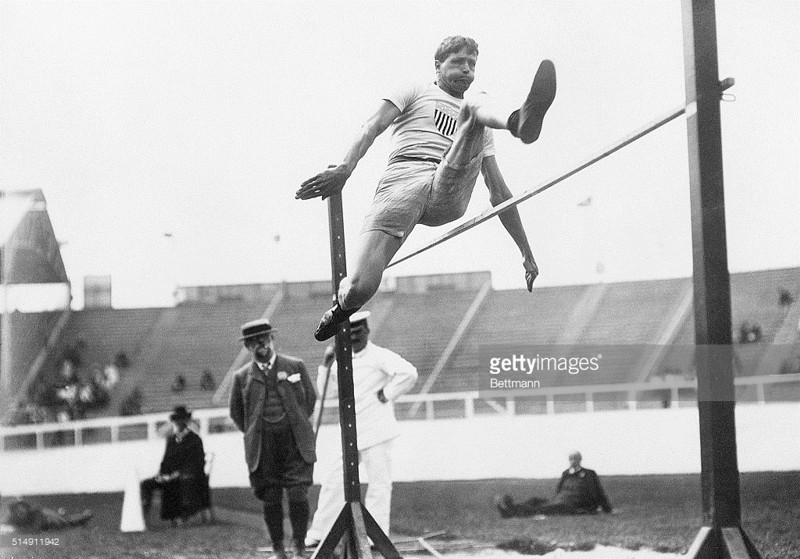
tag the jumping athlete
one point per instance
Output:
(440, 142)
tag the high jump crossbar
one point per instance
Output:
(538, 189)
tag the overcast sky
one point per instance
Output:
(169, 137)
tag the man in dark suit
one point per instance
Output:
(578, 492)
(181, 477)
(272, 400)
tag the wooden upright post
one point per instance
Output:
(354, 526)
(722, 535)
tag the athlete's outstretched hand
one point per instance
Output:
(325, 184)
(531, 271)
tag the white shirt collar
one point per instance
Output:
(363, 351)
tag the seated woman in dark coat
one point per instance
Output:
(181, 477)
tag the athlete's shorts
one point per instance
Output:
(412, 192)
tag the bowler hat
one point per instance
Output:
(257, 327)
(180, 413)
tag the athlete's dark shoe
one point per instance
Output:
(331, 320)
(526, 122)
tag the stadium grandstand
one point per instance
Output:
(462, 314)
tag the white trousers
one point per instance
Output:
(377, 462)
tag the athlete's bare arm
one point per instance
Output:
(499, 193)
(332, 180)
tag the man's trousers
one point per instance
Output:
(377, 463)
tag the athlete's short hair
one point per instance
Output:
(454, 44)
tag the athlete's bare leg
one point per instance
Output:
(376, 250)
(468, 139)
(457, 174)
(526, 122)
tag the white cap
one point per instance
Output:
(358, 317)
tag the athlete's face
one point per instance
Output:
(456, 73)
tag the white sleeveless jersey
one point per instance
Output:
(427, 122)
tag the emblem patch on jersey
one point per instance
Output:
(444, 119)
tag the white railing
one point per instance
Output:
(107, 430)
(467, 405)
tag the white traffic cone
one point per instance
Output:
(132, 515)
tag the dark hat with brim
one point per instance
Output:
(256, 328)
(180, 413)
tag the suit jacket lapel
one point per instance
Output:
(257, 373)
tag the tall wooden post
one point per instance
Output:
(722, 535)
(354, 526)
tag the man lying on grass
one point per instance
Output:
(578, 492)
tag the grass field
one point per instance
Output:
(659, 512)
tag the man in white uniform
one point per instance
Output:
(441, 142)
(379, 377)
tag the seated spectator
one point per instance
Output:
(132, 404)
(744, 330)
(21, 415)
(45, 400)
(25, 516)
(68, 375)
(179, 384)
(61, 395)
(785, 298)
(121, 360)
(207, 381)
(93, 394)
(111, 374)
(72, 407)
(102, 392)
(74, 353)
(578, 492)
(43, 394)
(181, 477)
(749, 333)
